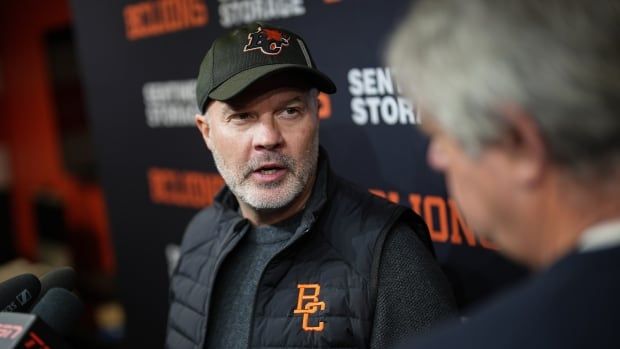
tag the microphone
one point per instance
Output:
(52, 318)
(19, 293)
(58, 278)
(60, 309)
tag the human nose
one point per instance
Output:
(268, 135)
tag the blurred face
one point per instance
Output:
(485, 187)
(265, 144)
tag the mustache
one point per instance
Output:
(257, 162)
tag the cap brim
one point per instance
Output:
(239, 82)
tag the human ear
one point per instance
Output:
(203, 126)
(525, 144)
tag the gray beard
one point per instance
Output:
(239, 182)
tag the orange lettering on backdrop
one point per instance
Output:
(151, 18)
(415, 201)
(183, 188)
(325, 109)
(437, 204)
(435, 211)
(458, 225)
(390, 195)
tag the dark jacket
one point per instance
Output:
(319, 291)
(573, 304)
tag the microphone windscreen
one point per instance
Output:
(61, 277)
(19, 293)
(59, 309)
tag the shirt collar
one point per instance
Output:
(600, 236)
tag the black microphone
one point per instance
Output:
(51, 319)
(58, 278)
(19, 293)
(60, 309)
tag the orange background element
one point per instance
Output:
(325, 110)
(183, 188)
(154, 18)
(29, 130)
(442, 217)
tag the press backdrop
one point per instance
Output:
(139, 60)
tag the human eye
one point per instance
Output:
(239, 118)
(291, 112)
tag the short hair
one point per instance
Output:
(556, 59)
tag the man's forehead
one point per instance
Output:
(283, 94)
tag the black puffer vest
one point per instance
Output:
(319, 291)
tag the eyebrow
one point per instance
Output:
(296, 99)
(228, 109)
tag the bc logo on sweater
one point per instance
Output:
(308, 303)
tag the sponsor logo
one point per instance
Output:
(170, 104)
(325, 106)
(183, 188)
(154, 18)
(24, 297)
(308, 303)
(10, 307)
(376, 99)
(442, 217)
(35, 342)
(268, 41)
(9, 331)
(236, 12)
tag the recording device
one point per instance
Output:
(58, 278)
(50, 320)
(19, 293)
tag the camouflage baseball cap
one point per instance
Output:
(249, 53)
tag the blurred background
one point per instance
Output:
(52, 210)
(101, 167)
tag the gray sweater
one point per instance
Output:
(239, 275)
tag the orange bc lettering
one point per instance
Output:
(308, 303)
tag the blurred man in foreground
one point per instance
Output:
(521, 102)
(291, 255)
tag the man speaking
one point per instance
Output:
(290, 255)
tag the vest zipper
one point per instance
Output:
(224, 253)
(260, 278)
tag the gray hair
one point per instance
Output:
(559, 60)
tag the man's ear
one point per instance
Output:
(525, 144)
(203, 127)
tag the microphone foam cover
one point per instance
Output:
(61, 277)
(17, 294)
(59, 309)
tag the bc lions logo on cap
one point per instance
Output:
(269, 41)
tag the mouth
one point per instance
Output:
(269, 168)
(269, 172)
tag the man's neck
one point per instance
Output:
(568, 217)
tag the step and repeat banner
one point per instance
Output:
(139, 61)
